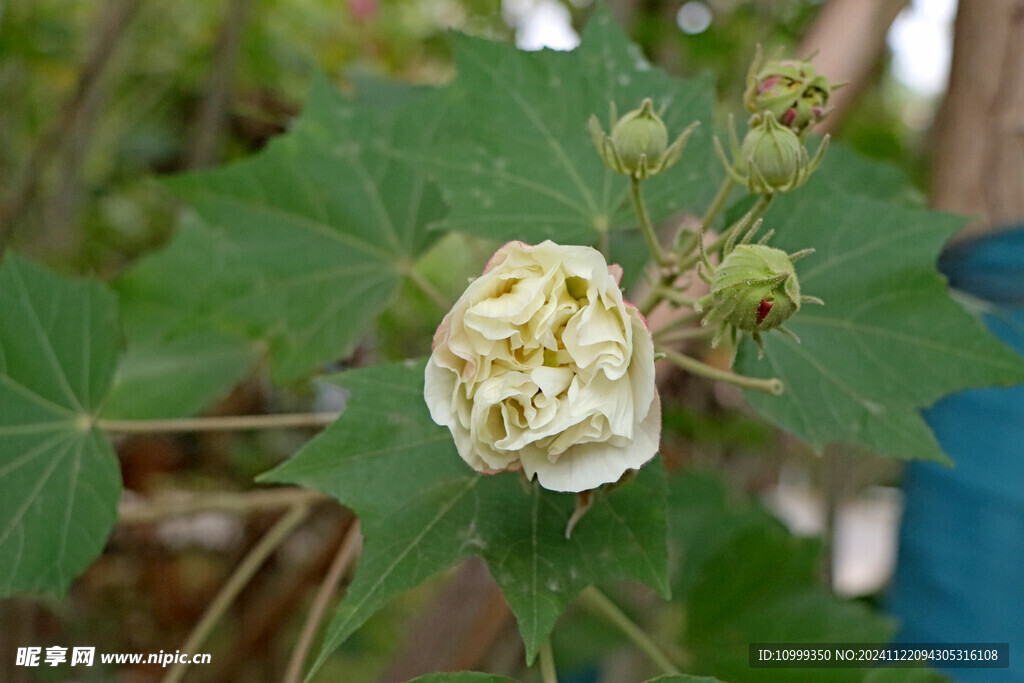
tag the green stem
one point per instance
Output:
(681, 321)
(768, 386)
(645, 223)
(675, 296)
(238, 580)
(685, 335)
(688, 249)
(756, 211)
(599, 604)
(547, 663)
(724, 190)
(216, 424)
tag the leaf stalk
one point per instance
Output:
(769, 386)
(599, 603)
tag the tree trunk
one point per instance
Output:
(978, 135)
(849, 38)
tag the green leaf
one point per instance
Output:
(845, 170)
(888, 340)
(182, 356)
(516, 159)
(316, 231)
(59, 478)
(683, 678)
(744, 578)
(177, 378)
(423, 509)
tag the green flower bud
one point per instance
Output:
(755, 288)
(792, 90)
(638, 146)
(772, 158)
(640, 135)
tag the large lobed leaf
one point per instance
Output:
(515, 158)
(59, 478)
(424, 509)
(182, 356)
(888, 340)
(306, 242)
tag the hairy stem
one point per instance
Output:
(167, 506)
(598, 603)
(718, 203)
(682, 321)
(547, 663)
(217, 424)
(685, 335)
(756, 211)
(346, 553)
(768, 386)
(675, 296)
(645, 223)
(238, 580)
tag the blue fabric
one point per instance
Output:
(960, 572)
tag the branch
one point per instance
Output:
(114, 19)
(217, 424)
(183, 504)
(849, 37)
(208, 131)
(346, 553)
(238, 580)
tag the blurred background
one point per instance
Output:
(100, 97)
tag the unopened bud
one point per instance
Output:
(772, 158)
(790, 89)
(638, 145)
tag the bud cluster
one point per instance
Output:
(785, 98)
(754, 288)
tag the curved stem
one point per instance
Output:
(676, 297)
(756, 211)
(724, 190)
(346, 553)
(599, 604)
(645, 222)
(687, 252)
(239, 579)
(768, 386)
(685, 335)
(547, 663)
(215, 424)
(681, 321)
